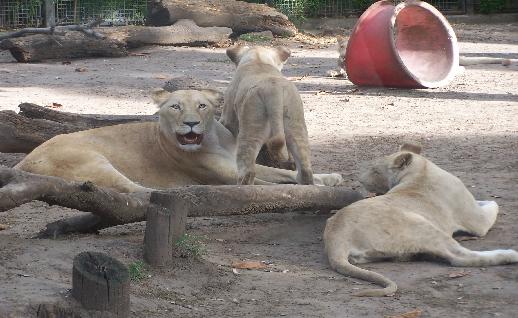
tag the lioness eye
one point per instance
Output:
(202, 106)
(175, 106)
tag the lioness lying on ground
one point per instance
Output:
(262, 107)
(422, 209)
(186, 147)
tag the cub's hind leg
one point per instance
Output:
(299, 147)
(250, 139)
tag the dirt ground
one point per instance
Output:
(469, 127)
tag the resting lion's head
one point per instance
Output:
(275, 56)
(380, 175)
(185, 116)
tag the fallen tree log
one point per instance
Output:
(22, 134)
(241, 17)
(115, 41)
(35, 124)
(113, 208)
(73, 44)
(183, 32)
(34, 111)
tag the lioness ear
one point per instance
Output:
(411, 147)
(283, 53)
(214, 96)
(403, 160)
(235, 53)
(160, 95)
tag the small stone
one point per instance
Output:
(263, 36)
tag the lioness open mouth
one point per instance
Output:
(190, 138)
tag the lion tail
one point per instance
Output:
(342, 266)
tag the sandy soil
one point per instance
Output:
(469, 127)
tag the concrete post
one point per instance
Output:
(50, 14)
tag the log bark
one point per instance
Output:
(241, 17)
(34, 125)
(165, 224)
(78, 120)
(72, 44)
(113, 208)
(109, 42)
(22, 134)
(101, 283)
(183, 32)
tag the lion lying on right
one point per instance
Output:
(422, 208)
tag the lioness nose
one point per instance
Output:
(191, 123)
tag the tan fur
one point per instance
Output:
(262, 107)
(146, 156)
(341, 47)
(422, 209)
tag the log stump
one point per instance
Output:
(101, 283)
(166, 220)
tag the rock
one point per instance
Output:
(263, 36)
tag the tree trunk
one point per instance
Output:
(22, 134)
(183, 32)
(80, 121)
(101, 283)
(35, 124)
(72, 44)
(165, 224)
(113, 208)
(114, 43)
(240, 16)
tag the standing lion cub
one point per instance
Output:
(422, 208)
(262, 107)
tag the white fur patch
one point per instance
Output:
(495, 253)
(484, 203)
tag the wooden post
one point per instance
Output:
(101, 283)
(166, 219)
(470, 6)
(50, 14)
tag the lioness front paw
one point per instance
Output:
(330, 180)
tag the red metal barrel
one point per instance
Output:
(410, 45)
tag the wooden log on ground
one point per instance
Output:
(22, 134)
(73, 44)
(101, 283)
(35, 124)
(207, 200)
(183, 32)
(114, 41)
(80, 120)
(240, 16)
(113, 208)
(165, 224)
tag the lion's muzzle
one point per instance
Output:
(190, 138)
